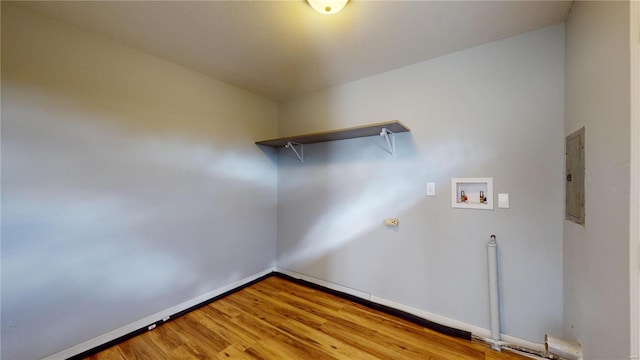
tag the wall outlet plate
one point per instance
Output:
(503, 201)
(391, 222)
(431, 189)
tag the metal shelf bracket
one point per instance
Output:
(390, 137)
(292, 145)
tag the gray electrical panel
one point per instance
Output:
(574, 152)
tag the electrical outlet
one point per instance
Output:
(391, 222)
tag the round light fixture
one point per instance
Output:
(327, 6)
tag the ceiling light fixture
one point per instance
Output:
(327, 6)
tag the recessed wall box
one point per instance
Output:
(472, 193)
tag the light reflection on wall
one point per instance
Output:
(364, 191)
(129, 185)
(101, 227)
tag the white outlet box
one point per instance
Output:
(466, 193)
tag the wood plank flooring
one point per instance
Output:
(279, 319)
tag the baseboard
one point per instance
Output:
(433, 321)
(475, 330)
(326, 284)
(443, 329)
(111, 338)
(435, 318)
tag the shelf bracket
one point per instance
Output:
(292, 145)
(390, 137)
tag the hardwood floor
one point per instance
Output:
(279, 319)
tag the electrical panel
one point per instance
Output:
(574, 190)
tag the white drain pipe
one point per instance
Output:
(494, 296)
(570, 350)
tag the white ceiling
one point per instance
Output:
(280, 49)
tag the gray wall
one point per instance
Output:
(495, 110)
(129, 185)
(596, 255)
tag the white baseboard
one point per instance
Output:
(442, 320)
(328, 285)
(112, 335)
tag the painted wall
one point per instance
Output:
(596, 255)
(129, 185)
(495, 110)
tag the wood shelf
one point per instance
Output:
(341, 134)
